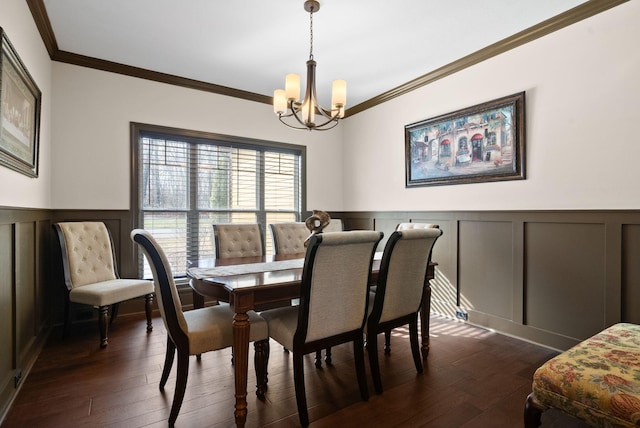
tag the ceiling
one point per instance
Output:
(376, 46)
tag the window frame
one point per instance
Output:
(137, 130)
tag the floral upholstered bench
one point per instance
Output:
(597, 381)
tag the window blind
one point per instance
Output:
(186, 185)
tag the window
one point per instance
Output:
(185, 181)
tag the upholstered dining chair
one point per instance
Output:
(399, 293)
(197, 331)
(333, 304)
(335, 225)
(288, 238)
(238, 240)
(407, 226)
(425, 318)
(91, 274)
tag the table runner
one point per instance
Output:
(200, 273)
(242, 269)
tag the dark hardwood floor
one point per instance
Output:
(473, 378)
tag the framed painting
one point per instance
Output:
(20, 101)
(473, 145)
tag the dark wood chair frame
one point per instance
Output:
(103, 311)
(300, 348)
(178, 341)
(374, 326)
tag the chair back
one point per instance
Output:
(403, 272)
(335, 225)
(238, 240)
(288, 238)
(335, 284)
(87, 253)
(407, 226)
(166, 290)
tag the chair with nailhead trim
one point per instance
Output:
(91, 275)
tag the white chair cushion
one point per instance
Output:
(110, 292)
(211, 328)
(283, 323)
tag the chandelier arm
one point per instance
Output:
(291, 126)
(321, 127)
(296, 108)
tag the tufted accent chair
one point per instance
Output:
(238, 240)
(288, 238)
(91, 275)
(333, 304)
(399, 293)
(196, 331)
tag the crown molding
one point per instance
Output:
(578, 13)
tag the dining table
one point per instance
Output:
(255, 283)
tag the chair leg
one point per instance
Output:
(181, 385)
(168, 362)
(358, 354)
(103, 324)
(327, 357)
(301, 396)
(374, 364)
(114, 312)
(415, 346)
(532, 412)
(148, 310)
(67, 318)
(261, 360)
(387, 342)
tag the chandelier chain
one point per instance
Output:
(311, 33)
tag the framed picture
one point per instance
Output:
(20, 101)
(473, 145)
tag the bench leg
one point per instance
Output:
(532, 412)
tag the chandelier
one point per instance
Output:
(302, 114)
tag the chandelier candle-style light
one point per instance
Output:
(286, 102)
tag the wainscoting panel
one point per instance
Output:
(24, 309)
(25, 289)
(550, 277)
(485, 267)
(565, 278)
(7, 358)
(631, 273)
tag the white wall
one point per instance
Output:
(582, 88)
(16, 189)
(92, 143)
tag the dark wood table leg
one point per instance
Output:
(198, 299)
(240, 361)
